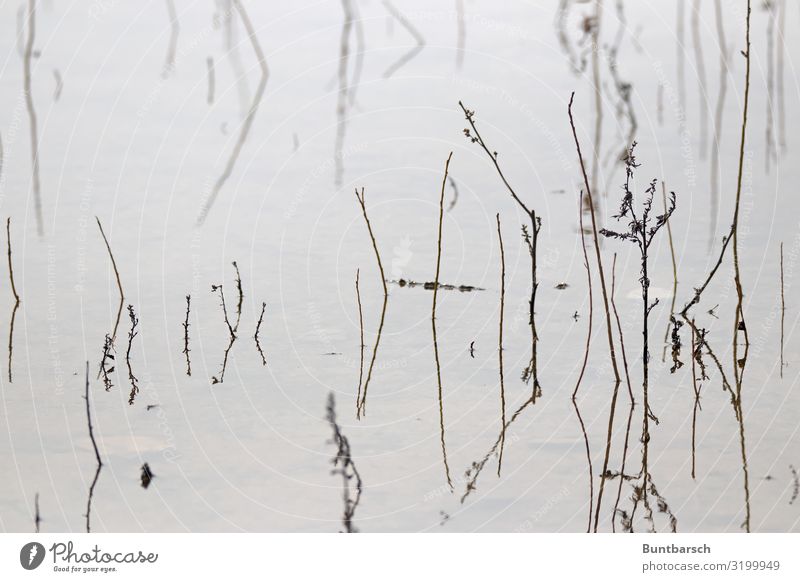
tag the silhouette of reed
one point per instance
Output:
(609, 329)
(783, 311)
(16, 300)
(361, 408)
(433, 323)
(344, 466)
(418, 38)
(701, 78)
(37, 520)
(146, 476)
(211, 76)
(185, 324)
(255, 335)
(674, 278)
(342, 98)
(59, 85)
(119, 282)
(583, 367)
(361, 342)
(244, 130)
(718, 117)
(96, 455)
(131, 335)
(27, 58)
(500, 345)
(175, 27)
(531, 239)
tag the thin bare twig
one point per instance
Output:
(500, 346)
(186, 336)
(255, 335)
(16, 299)
(96, 454)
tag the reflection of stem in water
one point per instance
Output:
(630, 389)
(780, 73)
(16, 299)
(771, 149)
(131, 335)
(344, 466)
(562, 15)
(701, 77)
(674, 271)
(783, 311)
(720, 109)
(234, 57)
(36, 518)
(681, 55)
(255, 335)
(59, 85)
(696, 352)
(500, 346)
(26, 61)
(361, 343)
(461, 33)
(412, 31)
(609, 329)
(530, 238)
(116, 274)
(359, 64)
(361, 408)
(251, 113)
(211, 80)
(175, 27)
(341, 101)
(660, 104)
(454, 186)
(186, 336)
(96, 454)
(433, 323)
(583, 368)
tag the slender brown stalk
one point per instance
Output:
(255, 335)
(361, 408)
(96, 454)
(119, 282)
(783, 311)
(603, 289)
(583, 367)
(674, 271)
(697, 406)
(361, 343)
(186, 336)
(500, 346)
(433, 323)
(16, 299)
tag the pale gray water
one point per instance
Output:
(140, 147)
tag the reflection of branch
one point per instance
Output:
(16, 299)
(433, 323)
(169, 63)
(211, 80)
(344, 466)
(96, 454)
(412, 31)
(26, 63)
(251, 114)
(342, 100)
(361, 408)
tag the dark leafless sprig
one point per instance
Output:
(16, 300)
(255, 335)
(241, 297)
(108, 355)
(185, 324)
(500, 347)
(37, 519)
(131, 335)
(147, 476)
(676, 344)
(345, 467)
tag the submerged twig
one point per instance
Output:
(344, 466)
(433, 324)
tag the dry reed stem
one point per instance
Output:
(361, 408)
(583, 366)
(612, 352)
(119, 282)
(255, 335)
(500, 346)
(361, 344)
(96, 454)
(16, 299)
(674, 271)
(433, 323)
